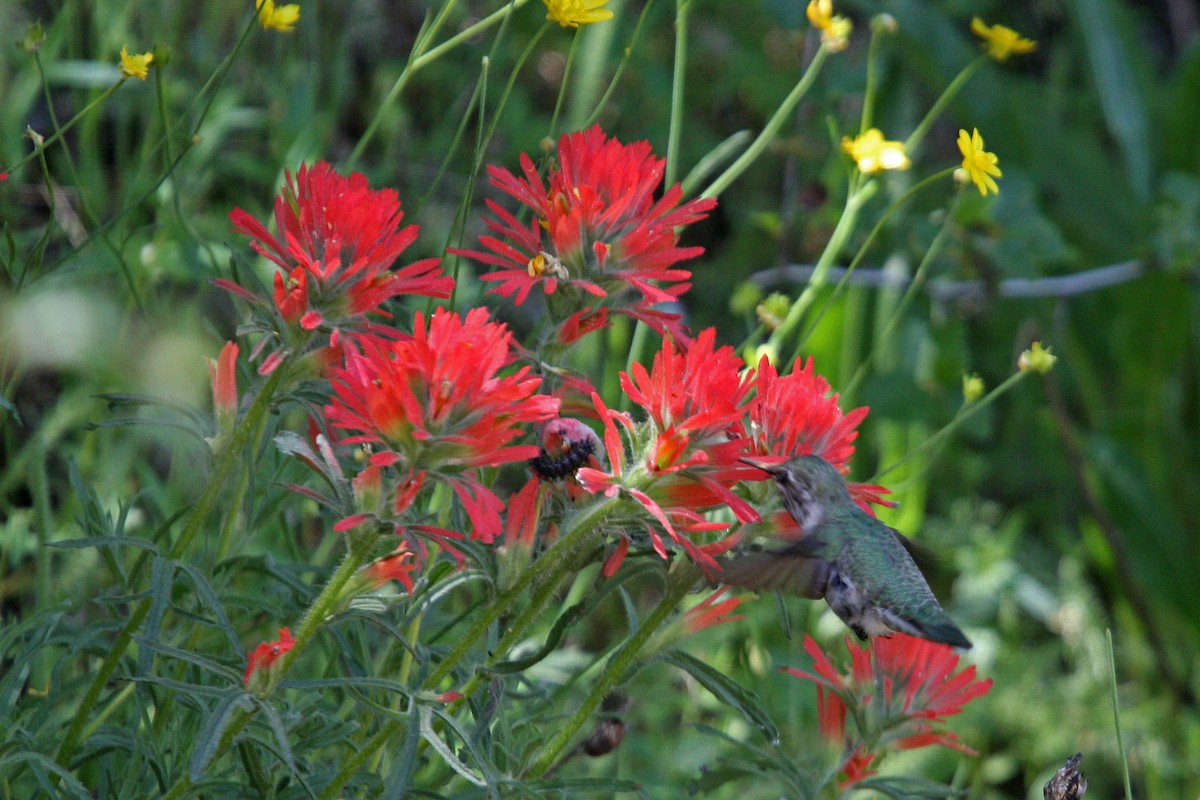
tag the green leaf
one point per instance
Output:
(400, 781)
(40, 765)
(728, 691)
(1120, 96)
(208, 738)
(906, 788)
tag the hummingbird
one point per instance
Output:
(859, 565)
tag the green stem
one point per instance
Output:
(561, 552)
(541, 572)
(562, 86)
(1112, 674)
(914, 288)
(420, 59)
(914, 141)
(614, 671)
(227, 460)
(59, 132)
(866, 246)
(868, 110)
(677, 88)
(837, 240)
(769, 132)
(964, 414)
(361, 545)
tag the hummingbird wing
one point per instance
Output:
(794, 569)
(888, 577)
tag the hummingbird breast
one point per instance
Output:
(857, 611)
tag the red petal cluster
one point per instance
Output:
(596, 227)
(336, 244)
(438, 401)
(695, 404)
(920, 686)
(266, 654)
(797, 415)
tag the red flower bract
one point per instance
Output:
(266, 654)
(920, 689)
(596, 227)
(797, 415)
(345, 237)
(695, 402)
(437, 401)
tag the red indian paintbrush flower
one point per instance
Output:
(336, 245)
(796, 415)
(694, 402)
(438, 402)
(260, 676)
(920, 689)
(222, 374)
(596, 230)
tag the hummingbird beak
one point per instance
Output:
(770, 469)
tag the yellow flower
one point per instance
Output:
(872, 153)
(1036, 359)
(979, 164)
(835, 30)
(573, 13)
(973, 387)
(137, 65)
(1001, 42)
(280, 18)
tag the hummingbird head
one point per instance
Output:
(809, 485)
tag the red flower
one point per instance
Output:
(337, 242)
(524, 511)
(437, 402)
(919, 684)
(796, 415)
(596, 229)
(923, 671)
(263, 657)
(398, 566)
(856, 766)
(709, 613)
(222, 374)
(695, 403)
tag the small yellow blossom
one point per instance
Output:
(872, 153)
(1001, 42)
(279, 18)
(979, 164)
(835, 30)
(573, 13)
(1036, 359)
(973, 387)
(137, 65)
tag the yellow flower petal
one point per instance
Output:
(835, 30)
(872, 153)
(136, 65)
(1001, 42)
(979, 164)
(279, 18)
(573, 13)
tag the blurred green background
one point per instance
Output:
(1070, 506)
